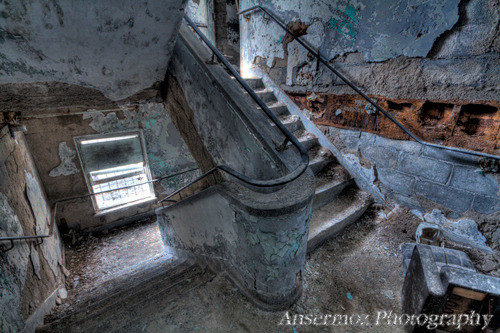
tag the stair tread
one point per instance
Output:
(285, 119)
(321, 153)
(331, 175)
(118, 302)
(264, 90)
(129, 284)
(276, 104)
(128, 310)
(347, 204)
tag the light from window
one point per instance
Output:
(116, 165)
(120, 177)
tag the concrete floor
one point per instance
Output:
(94, 261)
(357, 272)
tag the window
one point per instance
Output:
(116, 162)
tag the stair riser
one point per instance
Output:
(309, 144)
(280, 110)
(325, 196)
(79, 321)
(255, 84)
(317, 166)
(294, 126)
(267, 96)
(316, 239)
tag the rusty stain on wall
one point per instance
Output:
(452, 123)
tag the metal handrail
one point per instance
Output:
(289, 137)
(356, 89)
(56, 203)
(13, 238)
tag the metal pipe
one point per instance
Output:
(356, 89)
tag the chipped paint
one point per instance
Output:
(35, 261)
(51, 247)
(167, 153)
(67, 166)
(52, 41)
(12, 271)
(379, 30)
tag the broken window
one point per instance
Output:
(115, 166)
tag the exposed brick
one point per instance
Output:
(382, 157)
(454, 157)
(396, 181)
(427, 168)
(486, 205)
(468, 179)
(455, 199)
(408, 201)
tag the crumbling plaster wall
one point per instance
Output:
(29, 273)
(221, 113)
(50, 138)
(227, 31)
(410, 57)
(202, 13)
(445, 49)
(117, 47)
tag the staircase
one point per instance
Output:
(338, 202)
(116, 306)
(279, 220)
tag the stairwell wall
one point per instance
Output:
(29, 274)
(432, 66)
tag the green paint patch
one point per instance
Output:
(351, 12)
(345, 24)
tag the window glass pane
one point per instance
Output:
(116, 163)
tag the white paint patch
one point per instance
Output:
(67, 166)
(52, 246)
(462, 231)
(12, 270)
(35, 261)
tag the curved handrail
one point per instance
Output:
(356, 89)
(289, 137)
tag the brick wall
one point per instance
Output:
(413, 174)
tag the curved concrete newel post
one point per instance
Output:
(258, 239)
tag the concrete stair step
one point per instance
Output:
(319, 158)
(330, 182)
(123, 318)
(292, 123)
(106, 301)
(278, 108)
(331, 220)
(255, 83)
(266, 95)
(308, 140)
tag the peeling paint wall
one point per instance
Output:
(227, 29)
(93, 44)
(432, 64)
(50, 139)
(443, 50)
(260, 242)
(29, 273)
(202, 13)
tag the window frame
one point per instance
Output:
(90, 183)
